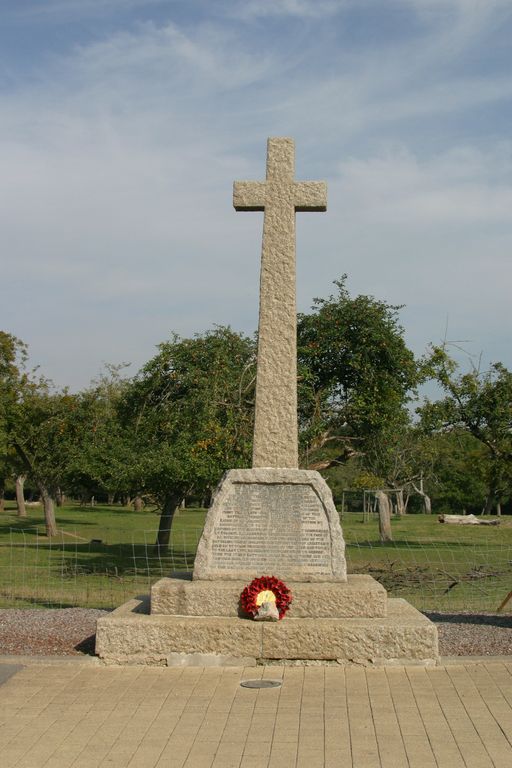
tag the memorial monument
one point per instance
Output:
(273, 519)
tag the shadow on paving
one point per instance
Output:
(8, 670)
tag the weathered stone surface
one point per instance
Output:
(130, 636)
(404, 634)
(208, 660)
(127, 634)
(279, 522)
(280, 196)
(360, 596)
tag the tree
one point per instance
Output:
(356, 373)
(104, 446)
(481, 404)
(403, 455)
(190, 414)
(13, 357)
(44, 434)
(460, 471)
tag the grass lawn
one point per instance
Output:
(104, 555)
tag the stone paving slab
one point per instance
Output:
(83, 716)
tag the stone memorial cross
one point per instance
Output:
(280, 196)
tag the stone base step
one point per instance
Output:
(360, 596)
(132, 635)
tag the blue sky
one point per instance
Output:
(123, 124)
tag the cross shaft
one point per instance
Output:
(280, 196)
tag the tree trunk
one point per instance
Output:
(110, 499)
(164, 528)
(137, 504)
(59, 498)
(489, 503)
(400, 508)
(20, 495)
(384, 517)
(49, 511)
(366, 508)
(498, 508)
(427, 504)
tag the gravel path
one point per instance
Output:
(473, 634)
(70, 632)
(66, 631)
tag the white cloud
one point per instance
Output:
(159, 58)
(456, 194)
(318, 9)
(308, 9)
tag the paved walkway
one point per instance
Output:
(69, 715)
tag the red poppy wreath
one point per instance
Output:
(262, 594)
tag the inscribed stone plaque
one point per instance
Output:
(279, 522)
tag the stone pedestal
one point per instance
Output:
(133, 635)
(279, 522)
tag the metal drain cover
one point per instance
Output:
(260, 683)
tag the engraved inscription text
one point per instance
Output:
(272, 527)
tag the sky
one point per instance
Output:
(123, 124)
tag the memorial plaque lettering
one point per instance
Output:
(271, 527)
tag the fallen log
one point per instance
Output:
(466, 520)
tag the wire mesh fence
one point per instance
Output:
(68, 570)
(460, 574)
(457, 575)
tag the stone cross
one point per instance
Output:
(275, 427)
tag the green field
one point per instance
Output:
(104, 555)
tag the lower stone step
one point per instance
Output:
(361, 595)
(132, 635)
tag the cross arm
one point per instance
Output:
(249, 195)
(310, 195)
